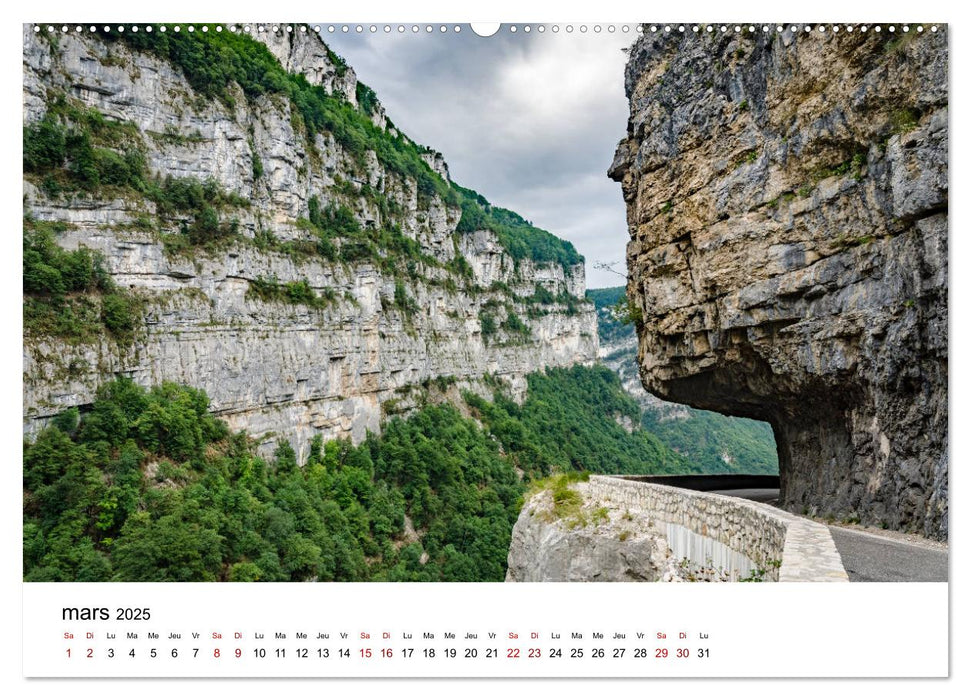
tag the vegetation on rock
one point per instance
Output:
(215, 62)
(298, 293)
(518, 236)
(69, 294)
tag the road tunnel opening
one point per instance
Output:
(810, 427)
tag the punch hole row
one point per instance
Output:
(512, 28)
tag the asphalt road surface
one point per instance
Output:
(770, 496)
(869, 557)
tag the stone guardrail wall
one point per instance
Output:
(758, 531)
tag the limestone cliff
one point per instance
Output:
(566, 534)
(285, 339)
(787, 210)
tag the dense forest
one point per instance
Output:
(147, 485)
(710, 442)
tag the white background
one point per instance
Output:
(777, 630)
(495, 10)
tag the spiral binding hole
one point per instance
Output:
(682, 29)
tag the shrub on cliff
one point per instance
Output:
(70, 294)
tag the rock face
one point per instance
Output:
(299, 51)
(275, 368)
(787, 207)
(616, 529)
(586, 546)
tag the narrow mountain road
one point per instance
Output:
(871, 557)
(767, 496)
(868, 557)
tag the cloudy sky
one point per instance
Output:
(528, 120)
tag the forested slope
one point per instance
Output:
(149, 486)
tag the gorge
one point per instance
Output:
(267, 337)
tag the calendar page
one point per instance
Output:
(513, 350)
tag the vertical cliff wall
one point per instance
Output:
(286, 248)
(787, 207)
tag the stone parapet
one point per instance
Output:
(760, 532)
